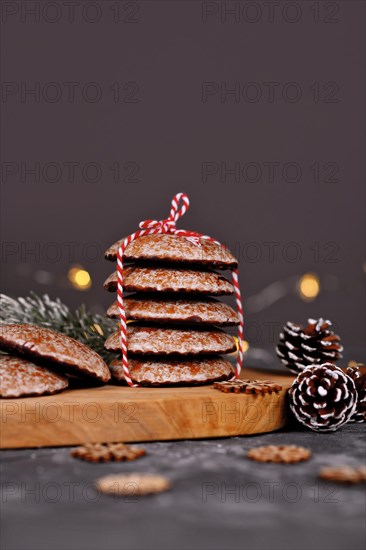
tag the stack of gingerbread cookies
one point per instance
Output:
(174, 331)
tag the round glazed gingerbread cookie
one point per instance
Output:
(168, 341)
(40, 343)
(170, 310)
(174, 248)
(169, 279)
(21, 378)
(168, 372)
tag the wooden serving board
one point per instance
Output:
(118, 413)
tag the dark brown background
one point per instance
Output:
(168, 52)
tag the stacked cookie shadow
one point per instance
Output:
(174, 331)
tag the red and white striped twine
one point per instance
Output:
(150, 227)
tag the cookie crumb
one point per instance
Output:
(107, 452)
(343, 474)
(248, 386)
(279, 453)
(133, 484)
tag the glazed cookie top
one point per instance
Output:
(169, 341)
(168, 279)
(37, 342)
(170, 310)
(174, 248)
(19, 377)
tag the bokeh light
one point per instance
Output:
(309, 287)
(79, 278)
(245, 345)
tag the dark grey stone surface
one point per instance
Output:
(219, 499)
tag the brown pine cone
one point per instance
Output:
(323, 397)
(359, 379)
(300, 347)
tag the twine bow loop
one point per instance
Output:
(163, 226)
(169, 224)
